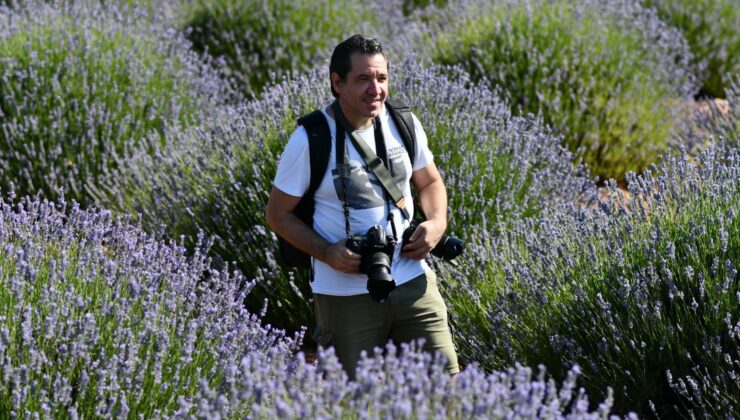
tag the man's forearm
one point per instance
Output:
(284, 222)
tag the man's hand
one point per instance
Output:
(341, 258)
(423, 240)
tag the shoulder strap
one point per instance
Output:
(401, 115)
(373, 161)
(319, 147)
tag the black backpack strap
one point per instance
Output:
(319, 147)
(401, 115)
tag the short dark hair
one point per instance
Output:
(341, 58)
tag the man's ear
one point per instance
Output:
(336, 82)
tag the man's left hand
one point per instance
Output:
(423, 240)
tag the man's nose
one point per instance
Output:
(374, 87)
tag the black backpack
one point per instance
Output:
(319, 148)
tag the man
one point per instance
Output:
(346, 315)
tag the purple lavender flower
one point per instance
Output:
(82, 87)
(607, 75)
(262, 43)
(108, 345)
(405, 383)
(710, 27)
(669, 303)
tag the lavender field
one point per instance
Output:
(591, 152)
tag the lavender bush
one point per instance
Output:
(711, 29)
(411, 6)
(629, 291)
(99, 319)
(81, 84)
(407, 384)
(263, 42)
(714, 392)
(608, 75)
(497, 168)
(713, 120)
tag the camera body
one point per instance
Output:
(447, 248)
(376, 252)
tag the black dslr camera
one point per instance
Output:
(376, 251)
(447, 248)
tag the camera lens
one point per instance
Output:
(448, 247)
(379, 280)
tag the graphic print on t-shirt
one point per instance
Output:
(363, 189)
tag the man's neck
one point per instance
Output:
(358, 123)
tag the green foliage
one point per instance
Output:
(265, 41)
(233, 207)
(151, 6)
(641, 293)
(593, 76)
(711, 28)
(468, 128)
(92, 303)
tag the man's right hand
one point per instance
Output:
(341, 258)
(280, 218)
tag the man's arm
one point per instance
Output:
(284, 222)
(433, 200)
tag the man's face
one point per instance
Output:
(362, 94)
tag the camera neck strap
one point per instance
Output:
(343, 171)
(374, 163)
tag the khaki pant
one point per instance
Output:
(355, 323)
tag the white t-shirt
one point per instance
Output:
(365, 195)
